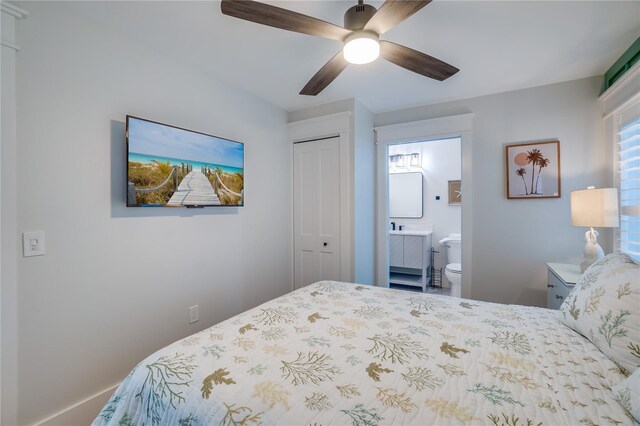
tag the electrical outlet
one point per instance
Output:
(33, 243)
(194, 316)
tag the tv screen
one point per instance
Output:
(172, 167)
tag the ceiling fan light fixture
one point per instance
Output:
(361, 48)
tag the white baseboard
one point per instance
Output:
(81, 414)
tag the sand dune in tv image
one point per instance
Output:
(172, 167)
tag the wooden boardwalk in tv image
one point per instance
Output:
(195, 189)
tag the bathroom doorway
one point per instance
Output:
(453, 126)
(424, 215)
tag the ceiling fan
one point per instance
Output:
(363, 26)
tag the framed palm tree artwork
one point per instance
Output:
(533, 170)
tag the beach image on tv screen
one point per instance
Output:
(173, 167)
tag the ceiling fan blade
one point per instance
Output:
(392, 12)
(277, 17)
(415, 61)
(325, 76)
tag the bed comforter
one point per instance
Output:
(337, 354)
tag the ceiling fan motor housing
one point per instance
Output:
(357, 16)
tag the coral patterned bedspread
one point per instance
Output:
(345, 354)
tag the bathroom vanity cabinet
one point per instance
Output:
(410, 258)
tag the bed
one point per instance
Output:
(337, 354)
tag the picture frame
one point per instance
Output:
(455, 192)
(533, 170)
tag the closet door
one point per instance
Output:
(316, 211)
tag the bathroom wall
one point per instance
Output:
(441, 162)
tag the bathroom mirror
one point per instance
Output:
(405, 195)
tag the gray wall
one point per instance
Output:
(364, 196)
(116, 283)
(512, 239)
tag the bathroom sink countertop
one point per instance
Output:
(410, 232)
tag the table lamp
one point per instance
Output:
(594, 208)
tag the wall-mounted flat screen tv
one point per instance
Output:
(172, 167)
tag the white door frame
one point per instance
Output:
(418, 131)
(334, 125)
(10, 15)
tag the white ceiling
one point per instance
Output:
(498, 46)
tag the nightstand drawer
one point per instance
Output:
(557, 291)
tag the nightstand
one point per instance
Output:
(561, 278)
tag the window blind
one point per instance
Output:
(628, 166)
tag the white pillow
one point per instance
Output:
(604, 307)
(628, 394)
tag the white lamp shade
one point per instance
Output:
(596, 208)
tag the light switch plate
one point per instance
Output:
(194, 315)
(33, 243)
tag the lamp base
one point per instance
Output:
(592, 250)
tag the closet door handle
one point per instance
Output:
(550, 285)
(559, 297)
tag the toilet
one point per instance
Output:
(453, 270)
